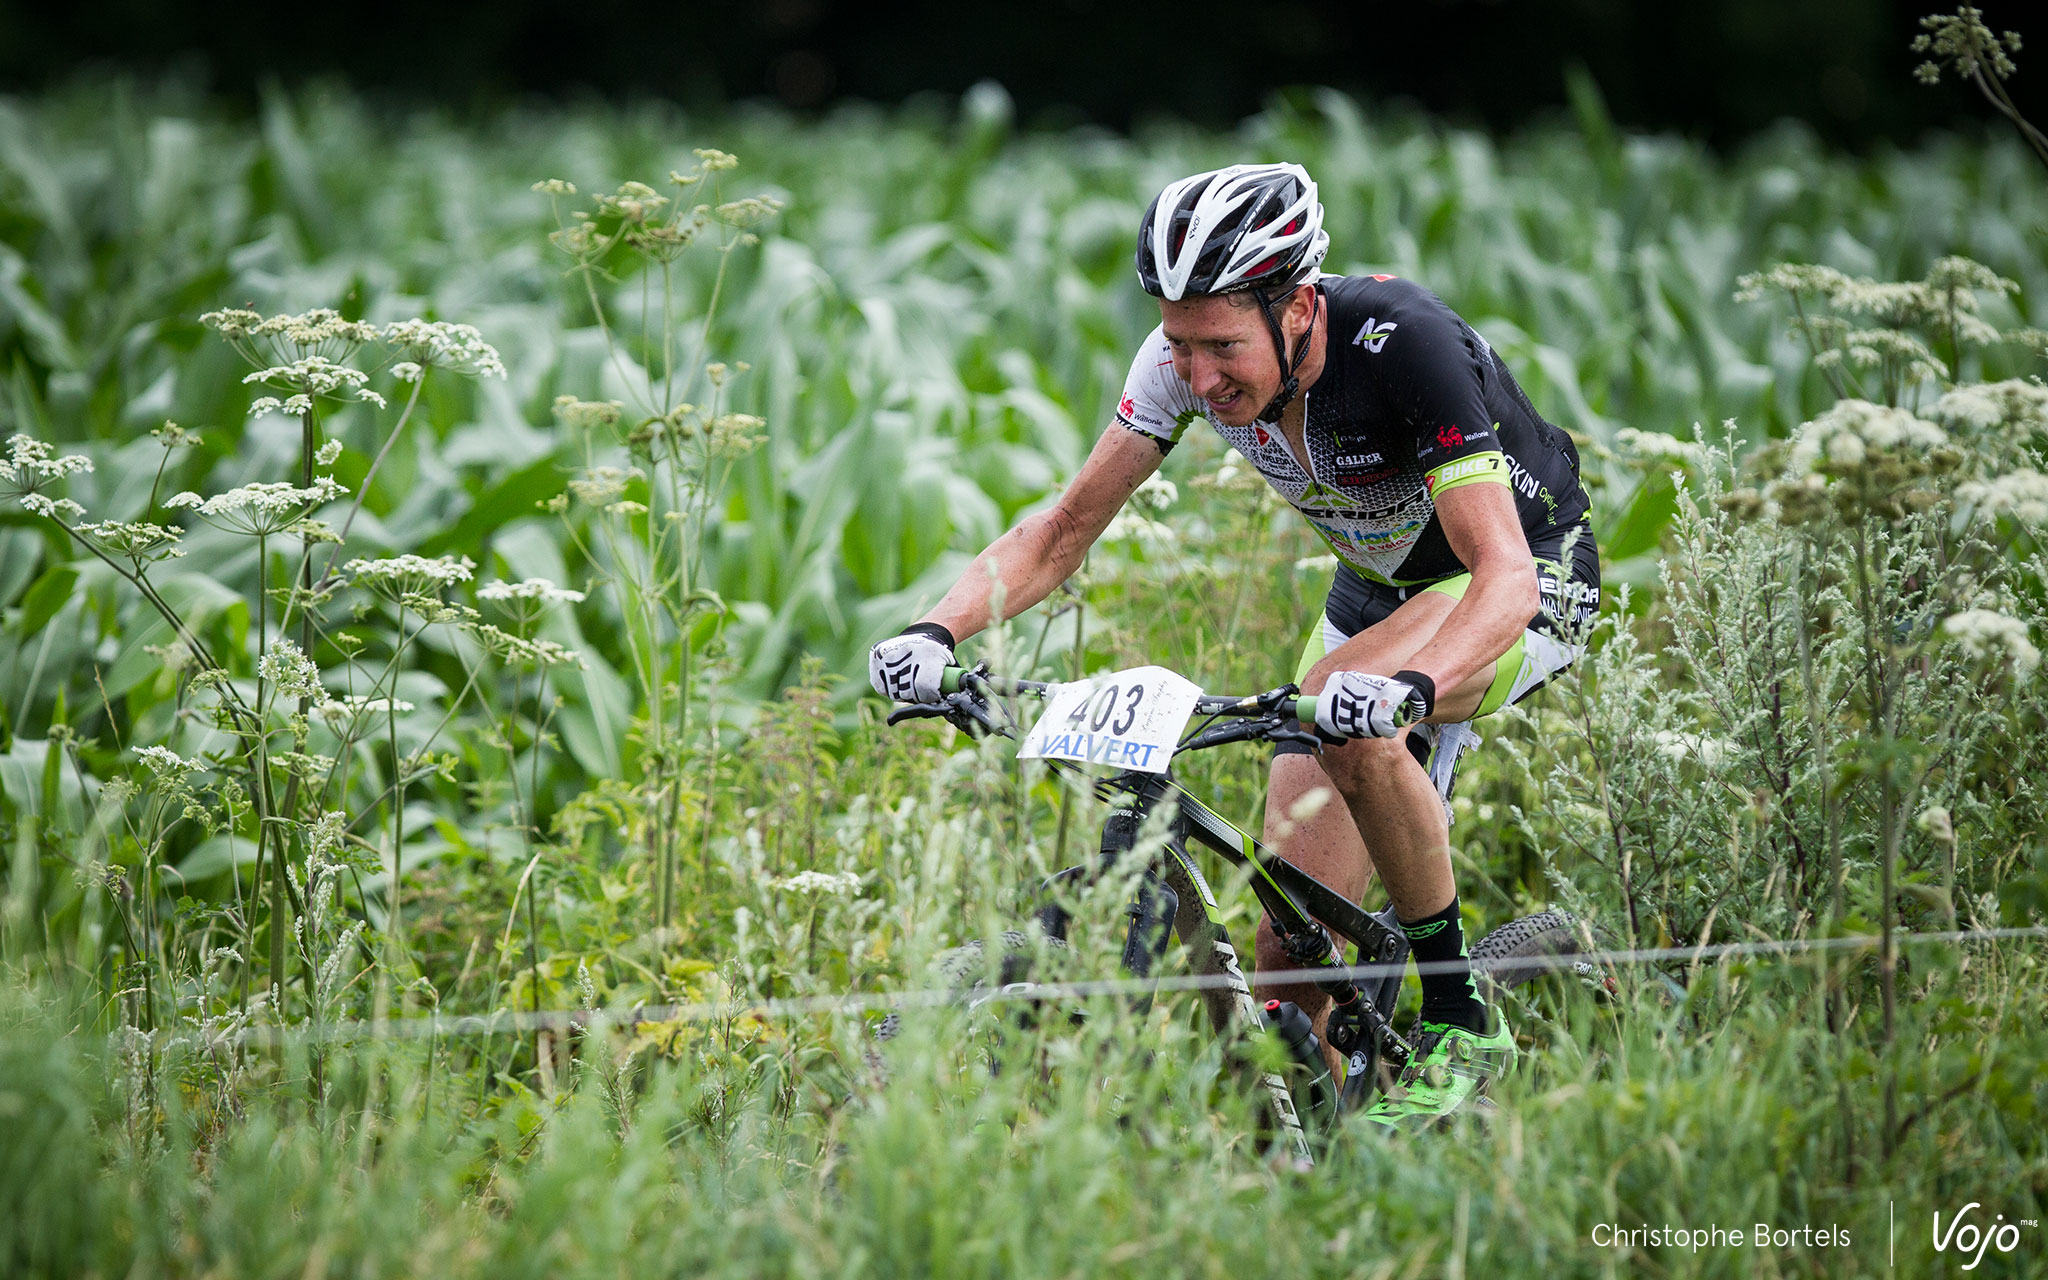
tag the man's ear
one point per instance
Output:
(1301, 306)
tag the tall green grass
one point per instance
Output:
(937, 327)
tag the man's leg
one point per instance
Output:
(1380, 789)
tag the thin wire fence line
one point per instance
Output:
(510, 1023)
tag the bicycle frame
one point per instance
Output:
(1173, 899)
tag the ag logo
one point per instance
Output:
(1127, 408)
(1373, 335)
(1968, 1237)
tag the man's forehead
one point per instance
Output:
(1212, 317)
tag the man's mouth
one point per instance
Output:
(1225, 401)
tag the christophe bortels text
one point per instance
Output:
(1610, 1235)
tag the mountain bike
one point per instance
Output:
(1133, 720)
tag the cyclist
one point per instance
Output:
(1465, 568)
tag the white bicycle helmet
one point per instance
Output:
(1251, 227)
(1248, 226)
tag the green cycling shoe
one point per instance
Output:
(1451, 1069)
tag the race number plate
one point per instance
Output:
(1126, 719)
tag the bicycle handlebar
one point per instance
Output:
(1283, 701)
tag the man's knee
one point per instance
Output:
(1365, 761)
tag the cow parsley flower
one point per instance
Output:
(602, 486)
(529, 589)
(1157, 492)
(328, 453)
(293, 674)
(261, 509)
(2023, 495)
(170, 768)
(836, 884)
(437, 344)
(405, 575)
(349, 706)
(1988, 634)
(29, 465)
(131, 539)
(58, 509)
(585, 415)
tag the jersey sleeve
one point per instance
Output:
(1155, 401)
(1436, 381)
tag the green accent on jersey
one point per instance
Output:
(1479, 468)
(1182, 423)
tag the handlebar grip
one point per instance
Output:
(950, 681)
(1304, 709)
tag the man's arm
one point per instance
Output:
(1044, 550)
(1480, 523)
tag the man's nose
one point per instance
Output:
(1204, 374)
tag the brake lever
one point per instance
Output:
(916, 711)
(1306, 737)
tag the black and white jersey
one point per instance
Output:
(1411, 402)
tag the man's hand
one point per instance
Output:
(1355, 704)
(909, 667)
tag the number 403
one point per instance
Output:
(1098, 711)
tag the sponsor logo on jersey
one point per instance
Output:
(1263, 436)
(1449, 437)
(1373, 334)
(1384, 279)
(1519, 478)
(1358, 459)
(1127, 409)
(1461, 469)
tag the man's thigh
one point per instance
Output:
(1392, 643)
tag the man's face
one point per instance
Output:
(1222, 350)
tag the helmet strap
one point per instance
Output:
(1290, 382)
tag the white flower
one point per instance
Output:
(169, 767)
(1157, 492)
(602, 486)
(1844, 438)
(28, 465)
(131, 539)
(2016, 402)
(585, 415)
(1936, 822)
(1135, 526)
(49, 508)
(328, 453)
(2022, 494)
(535, 589)
(410, 574)
(349, 706)
(1985, 633)
(455, 347)
(260, 509)
(1315, 564)
(288, 668)
(836, 884)
(406, 371)
(314, 375)
(1658, 446)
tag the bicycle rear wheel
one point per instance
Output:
(1523, 950)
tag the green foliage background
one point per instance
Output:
(937, 326)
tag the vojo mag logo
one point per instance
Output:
(1373, 335)
(1971, 1238)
